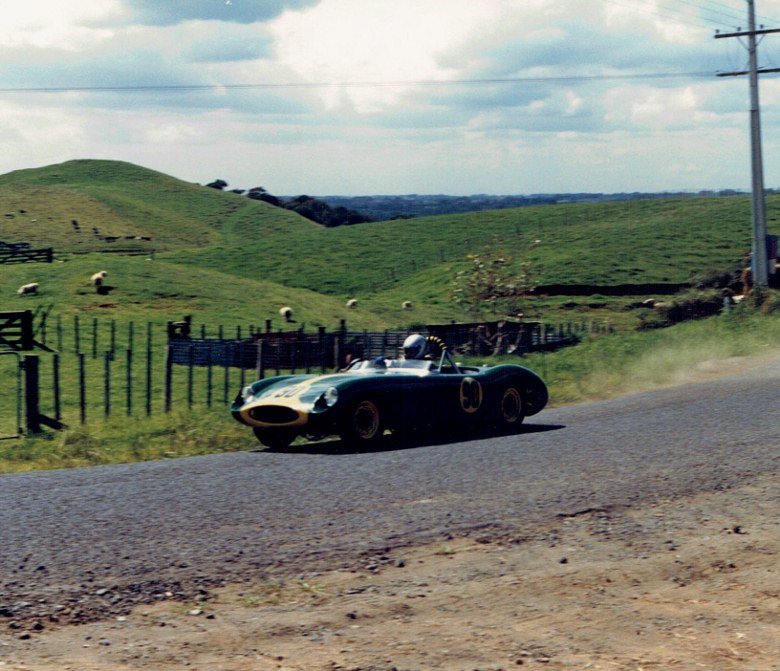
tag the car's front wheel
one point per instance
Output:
(275, 438)
(510, 413)
(362, 425)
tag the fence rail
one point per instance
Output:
(98, 369)
(14, 254)
(296, 350)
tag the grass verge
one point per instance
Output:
(599, 368)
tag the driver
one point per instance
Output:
(419, 347)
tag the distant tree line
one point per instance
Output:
(314, 209)
(382, 208)
(347, 210)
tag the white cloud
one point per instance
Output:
(58, 24)
(533, 109)
(387, 43)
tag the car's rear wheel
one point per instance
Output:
(510, 410)
(362, 425)
(275, 438)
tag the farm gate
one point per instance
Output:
(21, 375)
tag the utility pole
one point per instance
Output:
(759, 246)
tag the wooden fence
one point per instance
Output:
(97, 369)
(20, 252)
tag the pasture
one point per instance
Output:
(224, 256)
(171, 249)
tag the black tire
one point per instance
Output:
(362, 425)
(510, 413)
(276, 439)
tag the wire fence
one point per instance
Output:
(99, 369)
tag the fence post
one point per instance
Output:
(260, 360)
(76, 334)
(129, 382)
(107, 384)
(82, 389)
(32, 394)
(241, 364)
(228, 356)
(56, 382)
(190, 373)
(168, 377)
(209, 375)
(339, 342)
(94, 337)
(321, 342)
(149, 356)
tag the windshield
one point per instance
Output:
(382, 365)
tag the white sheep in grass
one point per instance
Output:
(352, 303)
(97, 278)
(406, 305)
(27, 289)
(286, 313)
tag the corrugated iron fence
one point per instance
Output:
(297, 350)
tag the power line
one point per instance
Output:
(696, 14)
(686, 17)
(356, 84)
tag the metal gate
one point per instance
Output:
(11, 401)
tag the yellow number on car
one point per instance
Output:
(470, 395)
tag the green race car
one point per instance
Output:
(373, 396)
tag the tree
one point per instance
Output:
(219, 184)
(259, 193)
(492, 282)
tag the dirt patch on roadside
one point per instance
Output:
(683, 584)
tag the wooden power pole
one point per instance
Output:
(759, 245)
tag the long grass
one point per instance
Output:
(609, 366)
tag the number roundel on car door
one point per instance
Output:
(470, 395)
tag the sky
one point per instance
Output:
(360, 97)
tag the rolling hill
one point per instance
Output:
(229, 257)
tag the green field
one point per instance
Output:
(232, 261)
(223, 256)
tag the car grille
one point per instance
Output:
(274, 414)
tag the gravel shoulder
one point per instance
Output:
(682, 584)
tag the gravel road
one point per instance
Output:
(80, 545)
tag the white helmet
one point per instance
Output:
(415, 346)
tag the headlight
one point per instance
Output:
(328, 398)
(247, 393)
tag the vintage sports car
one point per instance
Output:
(371, 396)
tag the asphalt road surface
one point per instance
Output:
(77, 545)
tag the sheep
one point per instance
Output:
(287, 313)
(26, 289)
(97, 278)
(406, 305)
(352, 303)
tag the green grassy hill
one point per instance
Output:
(119, 200)
(223, 256)
(228, 260)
